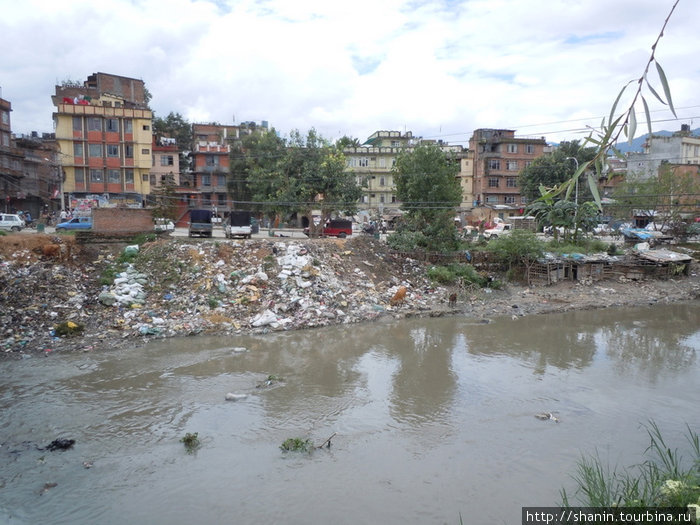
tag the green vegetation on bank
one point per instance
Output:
(666, 478)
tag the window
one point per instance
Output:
(146, 127)
(528, 163)
(129, 151)
(94, 124)
(393, 198)
(494, 164)
(382, 162)
(222, 199)
(206, 180)
(144, 177)
(221, 180)
(529, 148)
(493, 182)
(523, 200)
(206, 199)
(112, 150)
(96, 176)
(212, 160)
(112, 124)
(129, 177)
(114, 177)
(509, 199)
(166, 160)
(511, 182)
(492, 199)
(393, 162)
(145, 151)
(80, 175)
(381, 198)
(364, 162)
(5, 117)
(395, 144)
(128, 125)
(77, 124)
(512, 148)
(512, 165)
(95, 150)
(382, 181)
(77, 149)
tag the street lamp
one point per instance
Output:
(575, 198)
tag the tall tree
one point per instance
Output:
(551, 170)
(310, 174)
(428, 188)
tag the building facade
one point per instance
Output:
(679, 148)
(498, 158)
(104, 136)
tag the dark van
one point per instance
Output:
(200, 223)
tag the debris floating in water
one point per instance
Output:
(547, 415)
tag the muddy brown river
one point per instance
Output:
(433, 419)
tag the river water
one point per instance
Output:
(434, 419)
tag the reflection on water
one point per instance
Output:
(434, 418)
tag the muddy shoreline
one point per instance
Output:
(235, 287)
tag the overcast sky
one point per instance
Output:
(437, 68)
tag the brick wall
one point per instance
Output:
(121, 220)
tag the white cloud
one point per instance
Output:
(437, 68)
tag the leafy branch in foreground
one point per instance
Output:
(610, 132)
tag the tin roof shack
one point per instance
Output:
(662, 263)
(553, 268)
(653, 237)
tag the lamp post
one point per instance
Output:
(575, 198)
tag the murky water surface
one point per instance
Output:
(434, 418)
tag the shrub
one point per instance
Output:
(297, 445)
(520, 247)
(406, 241)
(454, 272)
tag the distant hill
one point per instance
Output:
(636, 144)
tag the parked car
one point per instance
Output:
(335, 228)
(11, 222)
(76, 223)
(502, 228)
(163, 225)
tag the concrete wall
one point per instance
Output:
(121, 220)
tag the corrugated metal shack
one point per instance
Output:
(599, 266)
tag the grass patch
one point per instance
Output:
(665, 478)
(456, 272)
(582, 246)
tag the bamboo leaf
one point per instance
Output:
(633, 125)
(594, 191)
(653, 92)
(647, 114)
(667, 91)
(614, 106)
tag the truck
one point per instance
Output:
(502, 228)
(239, 224)
(200, 223)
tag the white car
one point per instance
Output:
(163, 225)
(11, 222)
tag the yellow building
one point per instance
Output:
(103, 131)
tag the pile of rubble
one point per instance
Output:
(181, 287)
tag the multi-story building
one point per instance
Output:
(103, 130)
(679, 148)
(498, 158)
(166, 162)
(373, 161)
(208, 184)
(29, 172)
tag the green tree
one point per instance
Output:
(427, 186)
(310, 174)
(554, 169)
(165, 200)
(252, 157)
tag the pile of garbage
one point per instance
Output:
(181, 287)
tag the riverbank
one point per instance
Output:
(180, 287)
